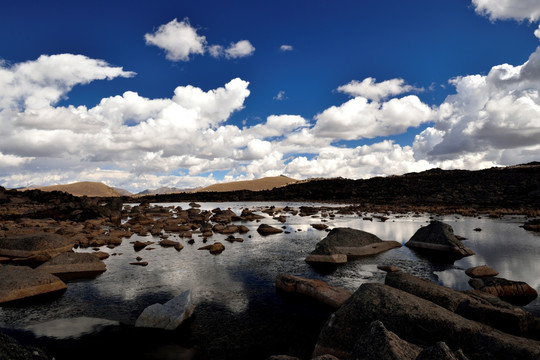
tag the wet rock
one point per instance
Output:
(470, 305)
(217, 248)
(42, 245)
(139, 263)
(418, 321)
(441, 351)
(101, 255)
(349, 242)
(242, 229)
(231, 238)
(21, 282)
(532, 225)
(388, 268)
(514, 292)
(319, 226)
(139, 245)
(70, 265)
(377, 343)
(481, 271)
(316, 289)
(168, 316)
(171, 243)
(265, 229)
(438, 237)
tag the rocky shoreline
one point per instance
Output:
(39, 230)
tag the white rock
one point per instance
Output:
(167, 316)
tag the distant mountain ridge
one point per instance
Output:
(265, 183)
(84, 188)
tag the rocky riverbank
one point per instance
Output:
(39, 231)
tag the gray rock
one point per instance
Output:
(168, 316)
(473, 306)
(21, 282)
(330, 295)
(417, 321)
(440, 351)
(377, 343)
(438, 237)
(72, 265)
(349, 242)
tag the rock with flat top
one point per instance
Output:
(481, 271)
(38, 245)
(343, 244)
(21, 282)
(168, 316)
(438, 238)
(70, 265)
(330, 295)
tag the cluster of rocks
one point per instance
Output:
(412, 318)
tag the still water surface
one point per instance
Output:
(239, 313)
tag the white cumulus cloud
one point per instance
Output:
(239, 49)
(178, 39)
(508, 9)
(359, 118)
(372, 90)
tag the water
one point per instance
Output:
(239, 314)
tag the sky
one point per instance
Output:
(148, 94)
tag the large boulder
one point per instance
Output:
(472, 305)
(330, 295)
(439, 238)
(21, 282)
(71, 265)
(40, 246)
(343, 244)
(514, 292)
(417, 321)
(440, 351)
(168, 316)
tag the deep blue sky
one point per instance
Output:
(424, 42)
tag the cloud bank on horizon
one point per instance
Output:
(183, 140)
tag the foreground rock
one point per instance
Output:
(377, 343)
(343, 244)
(417, 321)
(514, 292)
(439, 238)
(39, 247)
(317, 289)
(168, 316)
(476, 306)
(265, 229)
(12, 350)
(70, 265)
(21, 282)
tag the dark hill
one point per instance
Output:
(514, 187)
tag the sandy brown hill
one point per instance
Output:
(83, 188)
(266, 183)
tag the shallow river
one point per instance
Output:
(239, 314)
